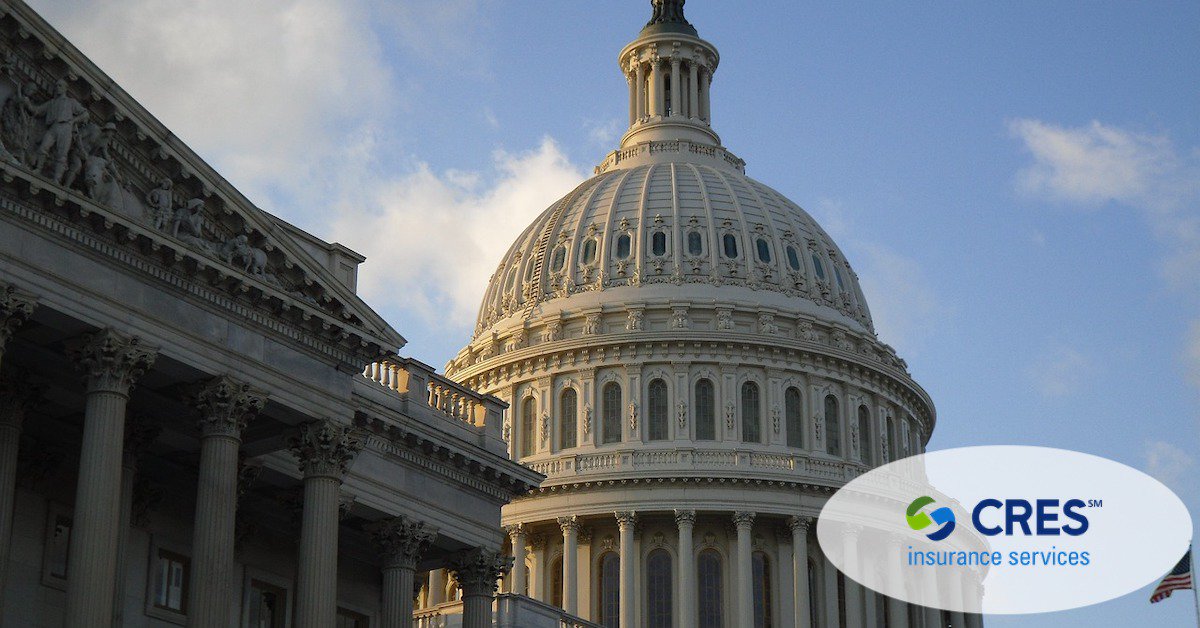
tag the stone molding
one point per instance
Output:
(325, 448)
(401, 540)
(110, 360)
(226, 405)
(477, 570)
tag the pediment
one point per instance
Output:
(75, 141)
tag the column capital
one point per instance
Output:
(478, 569)
(685, 517)
(850, 533)
(226, 405)
(743, 519)
(15, 308)
(401, 540)
(17, 397)
(325, 448)
(514, 530)
(626, 518)
(111, 361)
(800, 523)
(569, 524)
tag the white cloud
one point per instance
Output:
(1168, 463)
(604, 133)
(1061, 371)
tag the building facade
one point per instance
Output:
(689, 359)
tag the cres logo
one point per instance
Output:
(918, 519)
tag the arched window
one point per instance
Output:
(568, 406)
(891, 432)
(512, 279)
(729, 242)
(833, 428)
(751, 419)
(706, 410)
(708, 568)
(814, 595)
(761, 575)
(658, 589)
(792, 413)
(589, 251)
(837, 274)
(817, 267)
(556, 582)
(610, 590)
(611, 428)
(623, 246)
(764, 250)
(658, 243)
(658, 410)
(793, 258)
(559, 259)
(528, 427)
(529, 272)
(864, 433)
(695, 243)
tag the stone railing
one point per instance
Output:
(509, 611)
(424, 391)
(728, 462)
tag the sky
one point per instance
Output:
(1017, 184)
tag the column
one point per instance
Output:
(685, 521)
(15, 309)
(676, 88)
(656, 86)
(933, 616)
(629, 78)
(705, 84)
(628, 596)
(799, 527)
(744, 522)
(785, 584)
(641, 90)
(324, 451)
(693, 90)
(139, 434)
(476, 571)
(897, 610)
(958, 619)
(400, 541)
(854, 596)
(830, 576)
(437, 586)
(225, 405)
(516, 534)
(570, 565)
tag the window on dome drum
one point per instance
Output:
(891, 431)
(708, 567)
(623, 243)
(837, 274)
(814, 596)
(610, 590)
(559, 259)
(529, 272)
(658, 589)
(171, 581)
(729, 241)
(568, 405)
(833, 428)
(751, 428)
(706, 407)
(793, 405)
(658, 410)
(864, 433)
(818, 268)
(764, 250)
(556, 582)
(611, 427)
(793, 258)
(658, 243)
(512, 279)
(528, 427)
(589, 251)
(695, 243)
(761, 574)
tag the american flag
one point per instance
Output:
(1179, 578)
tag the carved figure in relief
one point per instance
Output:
(18, 122)
(61, 113)
(160, 200)
(188, 222)
(237, 249)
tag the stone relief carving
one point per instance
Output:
(545, 430)
(766, 324)
(775, 414)
(679, 318)
(237, 251)
(724, 319)
(591, 325)
(633, 414)
(681, 411)
(729, 414)
(587, 421)
(635, 322)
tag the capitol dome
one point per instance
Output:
(689, 359)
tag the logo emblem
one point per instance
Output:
(919, 520)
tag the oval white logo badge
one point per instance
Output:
(1005, 529)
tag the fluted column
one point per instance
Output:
(401, 541)
(225, 405)
(676, 88)
(958, 619)
(854, 596)
(933, 616)
(685, 521)
(629, 78)
(15, 308)
(897, 610)
(324, 451)
(17, 397)
(830, 591)
(516, 534)
(656, 87)
(799, 527)
(628, 597)
(570, 564)
(111, 362)
(642, 97)
(693, 91)
(705, 82)
(744, 522)
(140, 432)
(476, 571)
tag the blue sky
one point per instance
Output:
(1016, 183)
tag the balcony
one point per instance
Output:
(510, 611)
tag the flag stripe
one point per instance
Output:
(1177, 579)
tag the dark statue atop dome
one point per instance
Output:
(668, 18)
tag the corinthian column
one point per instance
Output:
(111, 362)
(676, 88)
(400, 542)
(744, 522)
(799, 527)
(854, 593)
(685, 521)
(15, 308)
(139, 434)
(17, 397)
(324, 451)
(225, 407)
(476, 571)
(642, 97)
(628, 597)
(570, 565)
(516, 534)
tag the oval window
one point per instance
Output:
(658, 243)
(559, 259)
(764, 251)
(730, 244)
(623, 246)
(793, 259)
(589, 251)
(695, 243)
(818, 267)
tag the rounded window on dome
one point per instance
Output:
(559, 259)
(658, 243)
(512, 279)
(764, 250)
(818, 267)
(837, 274)
(529, 272)
(695, 243)
(623, 246)
(793, 258)
(589, 251)
(729, 242)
